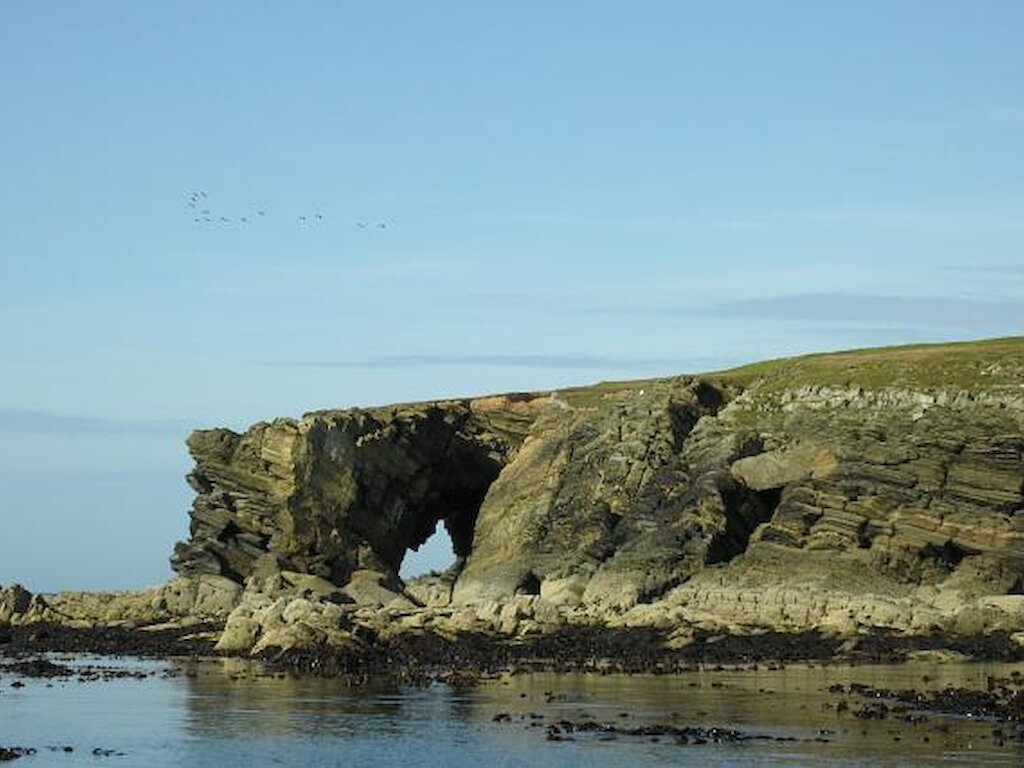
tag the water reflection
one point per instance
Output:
(228, 713)
(235, 697)
(439, 723)
(302, 720)
(793, 702)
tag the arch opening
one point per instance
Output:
(435, 556)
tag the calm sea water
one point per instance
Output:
(233, 714)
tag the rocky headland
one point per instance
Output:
(824, 504)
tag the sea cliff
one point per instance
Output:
(849, 494)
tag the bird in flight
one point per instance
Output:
(197, 197)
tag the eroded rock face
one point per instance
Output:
(609, 491)
(736, 501)
(335, 492)
(530, 489)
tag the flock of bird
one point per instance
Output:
(199, 207)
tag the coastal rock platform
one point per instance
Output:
(851, 496)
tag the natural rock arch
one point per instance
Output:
(340, 491)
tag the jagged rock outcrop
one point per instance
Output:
(337, 492)
(19, 606)
(532, 489)
(874, 489)
(182, 601)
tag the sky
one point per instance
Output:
(457, 198)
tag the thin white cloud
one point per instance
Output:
(866, 309)
(988, 269)
(47, 423)
(545, 361)
(943, 311)
(960, 219)
(950, 221)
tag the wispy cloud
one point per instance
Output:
(864, 329)
(944, 311)
(565, 362)
(46, 423)
(988, 269)
(947, 221)
(965, 218)
(871, 309)
(601, 220)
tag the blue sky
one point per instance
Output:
(570, 192)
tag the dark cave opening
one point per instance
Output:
(428, 490)
(745, 509)
(947, 556)
(528, 585)
(449, 510)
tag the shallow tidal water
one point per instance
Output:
(231, 713)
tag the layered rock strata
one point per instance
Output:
(337, 492)
(860, 491)
(558, 490)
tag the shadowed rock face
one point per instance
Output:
(696, 492)
(529, 488)
(340, 491)
(603, 490)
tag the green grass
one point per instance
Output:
(992, 365)
(583, 397)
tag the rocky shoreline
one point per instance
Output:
(926, 711)
(467, 658)
(862, 505)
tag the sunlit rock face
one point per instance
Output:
(875, 473)
(339, 491)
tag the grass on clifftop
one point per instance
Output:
(993, 365)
